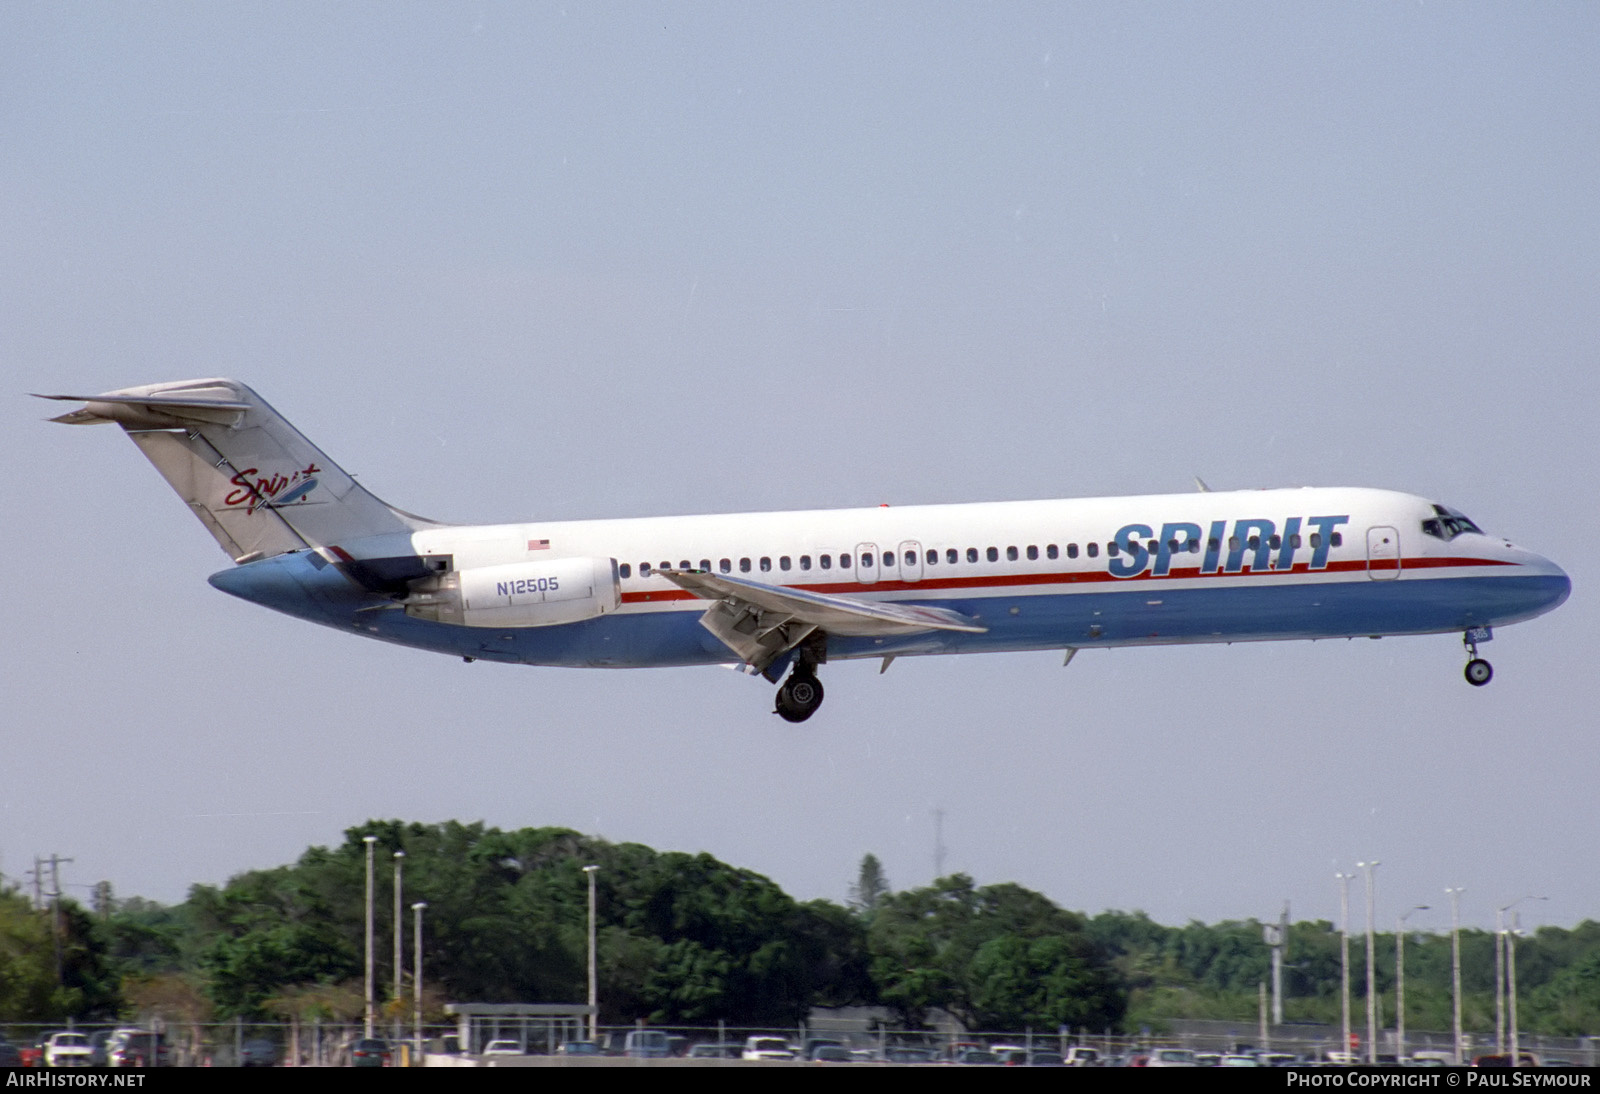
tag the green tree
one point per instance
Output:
(29, 943)
(871, 886)
(999, 957)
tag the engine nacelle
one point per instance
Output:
(521, 594)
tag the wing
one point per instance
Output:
(761, 622)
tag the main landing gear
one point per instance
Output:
(1478, 672)
(800, 695)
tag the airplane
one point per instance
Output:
(781, 594)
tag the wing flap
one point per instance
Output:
(842, 615)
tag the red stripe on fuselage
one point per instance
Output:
(1078, 577)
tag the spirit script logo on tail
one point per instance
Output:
(272, 491)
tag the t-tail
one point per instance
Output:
(254, 481)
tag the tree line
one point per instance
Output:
(687, 940)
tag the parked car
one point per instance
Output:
(1526, 1059)
(711, 1051)
(67, 1049)
(137, 1048)
(503, 1048)
(258, 1053)
(910, 1054)
(578, 1048)
(369, 1052)
(650, 1044)
(767, 1048)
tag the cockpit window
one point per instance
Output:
(1447, 524)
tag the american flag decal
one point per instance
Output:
(538, 545)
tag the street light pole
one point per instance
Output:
(1372, 996)
(1344, 958)
(1511, 982)
(399, 942)
(1501, 946)
(1500, 981)
(594, 984)
(1455, 968)
(1400, 984)
(368, 1017)
(416, 973)
(1515, 929)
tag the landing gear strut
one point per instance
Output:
(1479, 672)
(800, 695)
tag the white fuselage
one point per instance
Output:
(1079, 573)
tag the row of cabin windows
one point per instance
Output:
(952, 555)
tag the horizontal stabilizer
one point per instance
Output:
(205, 402)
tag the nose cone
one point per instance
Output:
(1543, 585)
(1559, 584)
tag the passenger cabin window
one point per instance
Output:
(951, 556)
(911, 557)
(783, 562)
(644, 569)
(766, 564)
(1033, 553)
(1112, 550)
(684, 565)
(1094, 550)
(992, 554)
(972, 554)
(725, 565)
(805, 562)
(705, 565)
(625, 570)
(1052, 552)
(933, 557)
(1011, 554)
(844, 561)
(744, 565)
(826, 562)
(1072, 550)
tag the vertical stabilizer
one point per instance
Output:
(254, 481)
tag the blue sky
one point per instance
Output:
(507, 261)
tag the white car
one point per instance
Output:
(767, 1048)
(68, 1050)
(503, 1048)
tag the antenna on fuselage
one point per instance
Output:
(1200, 485)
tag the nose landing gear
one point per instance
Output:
(1478, 672)
(800, 695)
